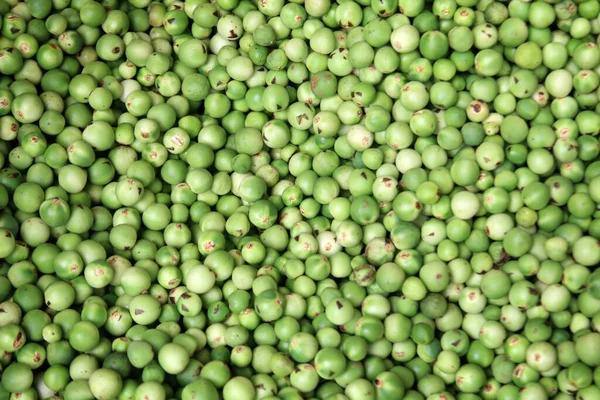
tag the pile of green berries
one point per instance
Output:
(306, 199)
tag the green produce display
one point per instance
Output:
(300, 200)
